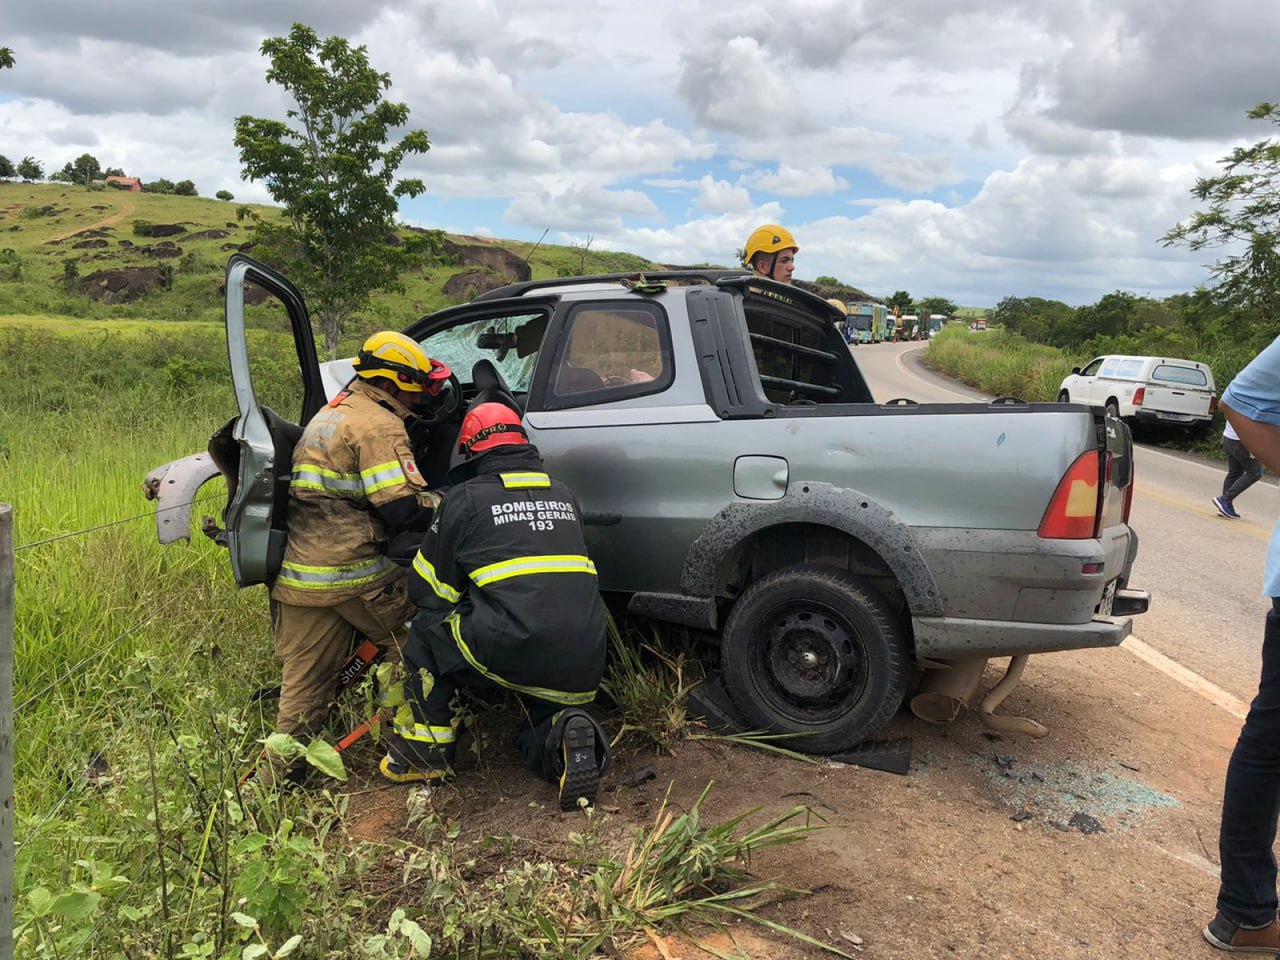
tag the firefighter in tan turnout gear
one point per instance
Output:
(509, 599)
(355, 485)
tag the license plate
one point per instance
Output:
(1179, 417)
(1108, 598)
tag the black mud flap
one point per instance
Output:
(710, 703)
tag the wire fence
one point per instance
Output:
(114, 523)
(76, 778)
(83, 783)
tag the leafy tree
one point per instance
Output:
(82, 170)
(113, 172)
(185, 188)
(932, 305)
(158, 186)
(333, 173)
(224, 195)
(30, 169)
(1243, 221)
(825, 281)
(7, 169)
(6, 58)
(901, 299)
(1108, 317)
(1037, 319)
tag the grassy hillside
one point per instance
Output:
(54, 236)
(46, 227)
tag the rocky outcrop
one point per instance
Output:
(467, 286)
(119, 286)
(502, 262)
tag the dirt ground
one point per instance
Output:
(988, 848)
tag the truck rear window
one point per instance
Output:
(1171, 374)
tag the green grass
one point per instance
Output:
(133, 667)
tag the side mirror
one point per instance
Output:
(1075, 370)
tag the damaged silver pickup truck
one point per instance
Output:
(736, 476)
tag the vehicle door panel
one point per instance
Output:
(633, 451)
(254, 450)
(1086, 386)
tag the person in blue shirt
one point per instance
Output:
(1246, 917)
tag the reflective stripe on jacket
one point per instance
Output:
(504, 573)
(354, 456)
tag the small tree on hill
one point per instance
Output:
(332, 171)
(185, 188)
(7, 170)
(30, 169)
(158, 186)
(901, 299)
(82, 170)
(113, 172)
(224, 195)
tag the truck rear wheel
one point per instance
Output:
(817, 653)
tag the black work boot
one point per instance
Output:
(580, 779)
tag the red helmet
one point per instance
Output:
(487, 426)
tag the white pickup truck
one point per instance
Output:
(1157, 390)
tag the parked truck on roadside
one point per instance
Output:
(748, 485)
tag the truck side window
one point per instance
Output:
(611, 352)
(800, 358)
(1098, 368)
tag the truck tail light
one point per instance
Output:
(1213, 404)
(1139, 395)
(1073, 510)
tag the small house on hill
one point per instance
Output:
(132, 184)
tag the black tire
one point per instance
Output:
(816, 652)
(1064, 397)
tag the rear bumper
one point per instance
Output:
(1146, 415)
(948, 638)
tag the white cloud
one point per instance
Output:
(588, 208)
(977, 147)
(788, 181)
(720, 196)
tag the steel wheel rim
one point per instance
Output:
(810, 661)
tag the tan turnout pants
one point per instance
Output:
(311, 644)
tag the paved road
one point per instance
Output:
(1204, 572)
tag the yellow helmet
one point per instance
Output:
(839, 305)
(401, 360)
(769, 238)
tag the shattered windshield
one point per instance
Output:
(510, 342)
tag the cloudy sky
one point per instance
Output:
(971, 149)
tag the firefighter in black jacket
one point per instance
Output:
(508, 597)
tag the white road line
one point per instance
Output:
(1188, 678)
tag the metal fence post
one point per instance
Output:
(6, 731)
